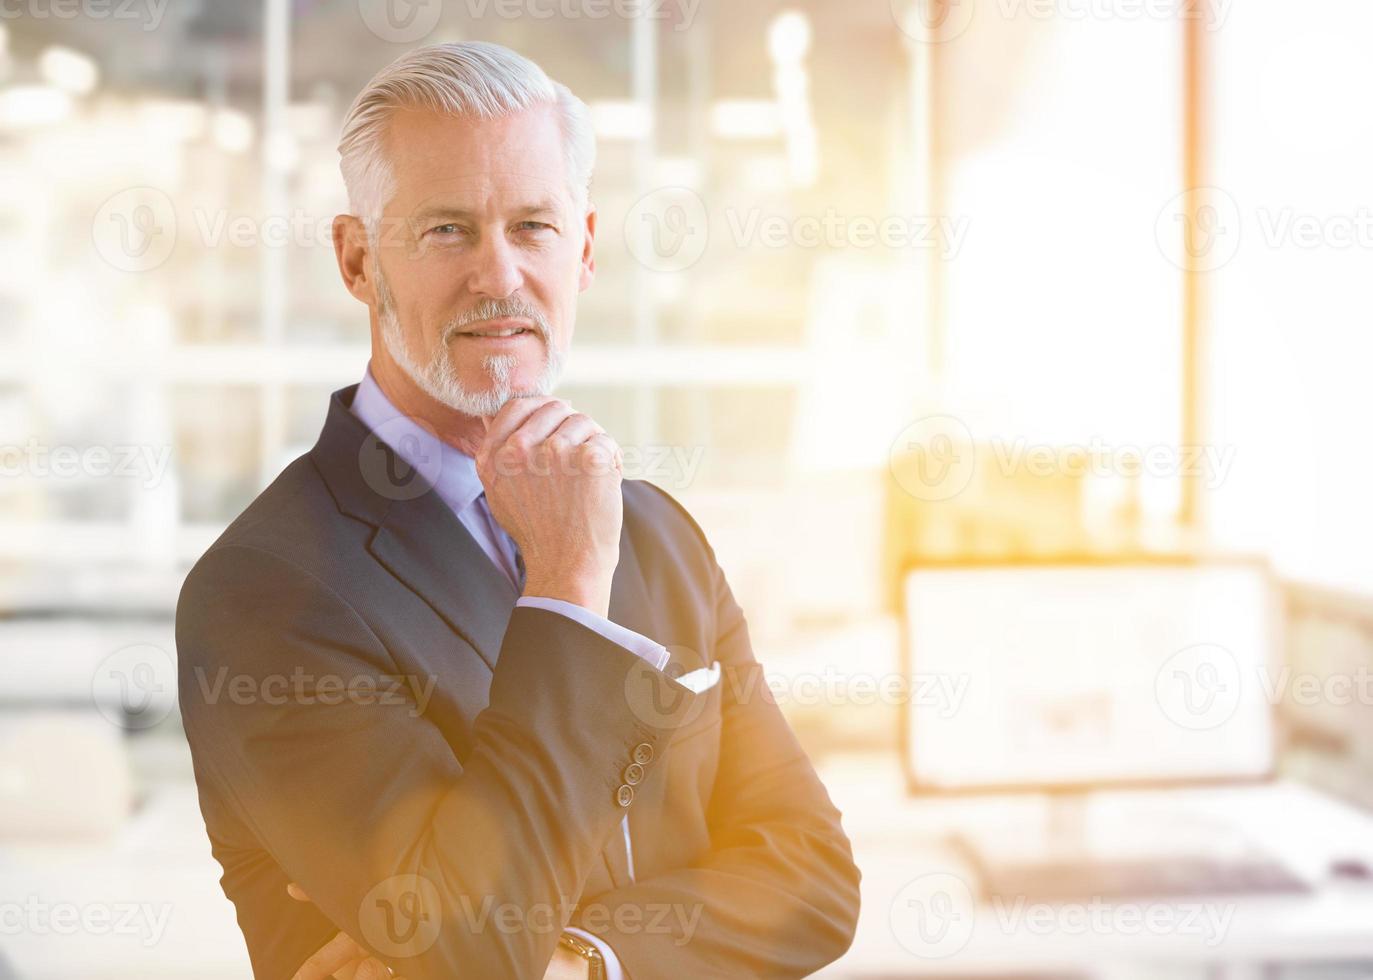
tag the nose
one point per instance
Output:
(497, 271)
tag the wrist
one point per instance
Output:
(589, 593)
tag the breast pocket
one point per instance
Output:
(703, 713)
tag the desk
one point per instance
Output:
(919, 918)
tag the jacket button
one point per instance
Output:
(625, 796)
(643, 753)
(634, 774)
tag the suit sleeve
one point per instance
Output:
(442, 869)
(777, 893)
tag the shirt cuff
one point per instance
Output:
(636, 643)
(612, 964)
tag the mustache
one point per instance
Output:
(495, 309)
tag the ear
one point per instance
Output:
(588, 267)
(354, 257)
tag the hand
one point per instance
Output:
(341, 957)
(552, 479)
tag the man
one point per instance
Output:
(463, 702)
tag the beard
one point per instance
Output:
(438, 377)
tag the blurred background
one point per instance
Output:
(1013, 355)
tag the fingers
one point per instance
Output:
(575, 430)
(540, 424)
(604, 453)
(511, 416)
(371, 969)
(333, 956)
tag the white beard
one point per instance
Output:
(439, 378)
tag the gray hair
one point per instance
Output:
(458, 78)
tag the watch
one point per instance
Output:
(594, 961)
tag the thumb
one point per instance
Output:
(296, 892)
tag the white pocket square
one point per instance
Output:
(702, 679)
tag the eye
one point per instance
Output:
(448, 229)
(535, 225)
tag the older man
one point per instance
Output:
(462, 701)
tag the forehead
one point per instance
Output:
(507, 161)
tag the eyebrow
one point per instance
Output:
(547, 207)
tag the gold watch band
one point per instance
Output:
(586, 951)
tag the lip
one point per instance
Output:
(487, 328)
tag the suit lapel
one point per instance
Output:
(424, 545)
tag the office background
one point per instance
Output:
(880, 284)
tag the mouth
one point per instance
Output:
(509, 328)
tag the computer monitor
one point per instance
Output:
(1078, 674)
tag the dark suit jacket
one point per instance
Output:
(455, 832)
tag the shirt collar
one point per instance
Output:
(452, 472)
